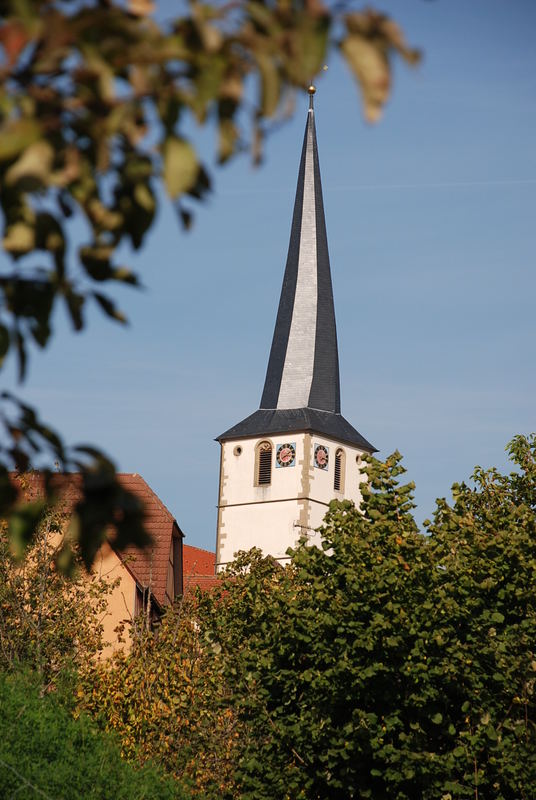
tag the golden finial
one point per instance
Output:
(311, 89)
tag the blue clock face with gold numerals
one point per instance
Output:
(286, 454)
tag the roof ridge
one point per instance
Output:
(148, 566)
(202, 549)
(152, 491)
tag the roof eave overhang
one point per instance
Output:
(241, 437)
(332, 426)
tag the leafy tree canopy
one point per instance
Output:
(392, 664)
(95, 102)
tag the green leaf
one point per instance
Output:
(181, 167)
(48, 233)
(21, 355)
(144, 197)
(437, 719)
(4, 343)
(22, 526)
(75, 303)
(109, 307)
(41, 332)
(228, 136)
(96, 261)
(311, 41)
(270, 84)
(186, 218)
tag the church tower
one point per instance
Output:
(281, 466)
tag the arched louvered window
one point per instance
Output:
(338, 479)
(263, 465)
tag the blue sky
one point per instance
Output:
(432, 233)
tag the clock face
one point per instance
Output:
(286, 454)
(321, 456)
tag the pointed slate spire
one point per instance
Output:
(303, 369)
(302, 388)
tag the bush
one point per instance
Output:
(49, 623)
(167, 702)
(44, 752)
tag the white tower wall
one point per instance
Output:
(273, 517)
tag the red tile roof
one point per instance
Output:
(149, 567)
(199, 568)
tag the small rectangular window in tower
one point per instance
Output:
(338, 477)
(264, 474)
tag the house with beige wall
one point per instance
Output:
(145, 580)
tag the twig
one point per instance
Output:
(26, 781)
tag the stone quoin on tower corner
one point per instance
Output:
(281, 466)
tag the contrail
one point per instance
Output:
(359, 187)
(434, 185)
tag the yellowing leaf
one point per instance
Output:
(17, 136)
(143, 197)
(371, 67)
(228, 136)
(33, 165)
(19, 238)
(232, 87)
(141, 8)
(371, 39)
